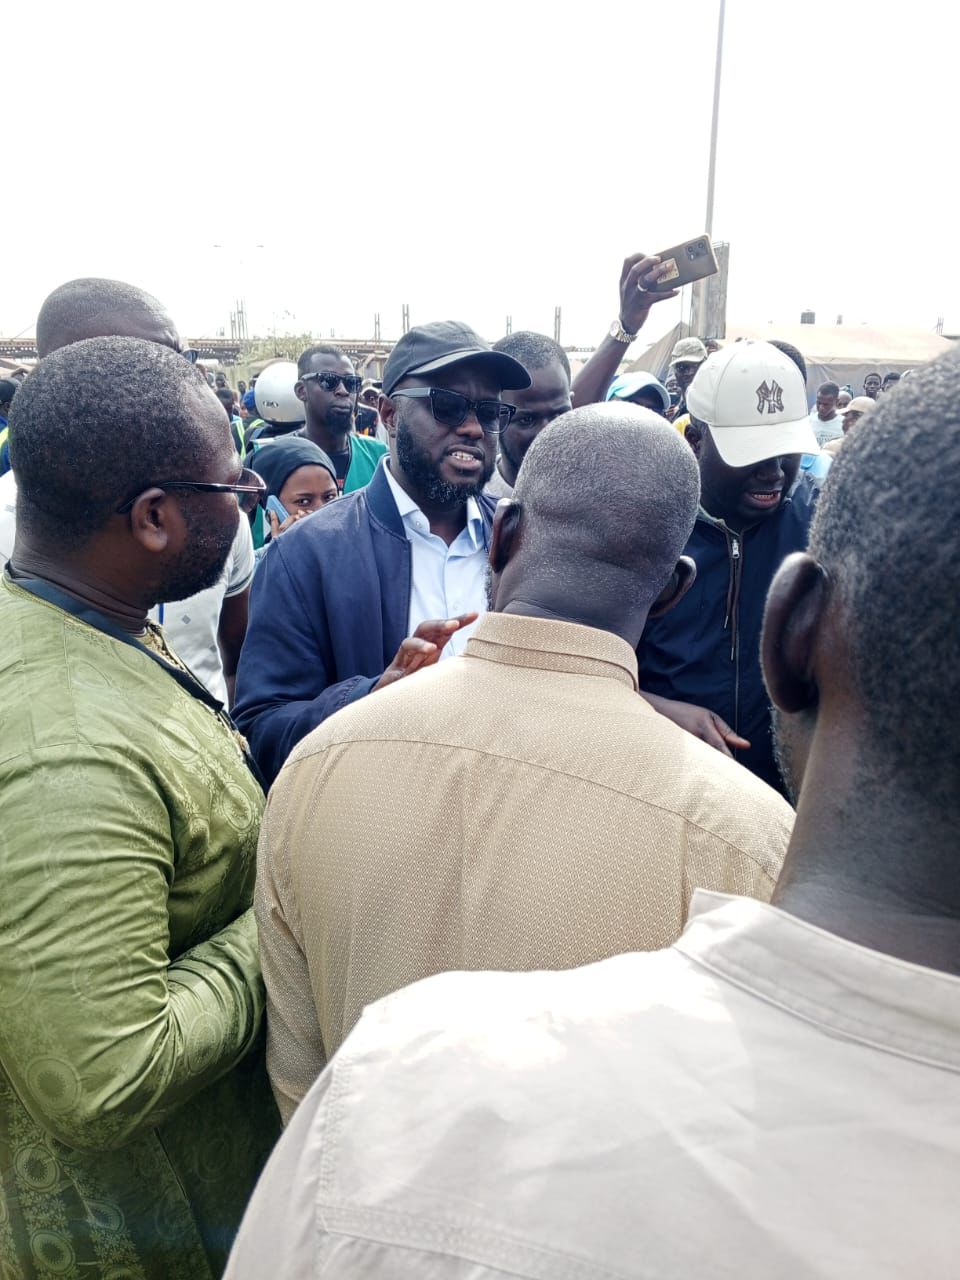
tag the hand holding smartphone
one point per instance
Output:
(275, 506)
(692, 260)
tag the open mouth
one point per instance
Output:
(464, 461)
(763, 499)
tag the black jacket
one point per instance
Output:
(707, 650)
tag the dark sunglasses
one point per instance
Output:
(191, 354)
(451, 408)
(249, 490)
(330, 381)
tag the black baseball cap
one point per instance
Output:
(435, 346)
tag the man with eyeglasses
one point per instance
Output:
(131, 1063)
(207, 629)
(376, 586)
(329, 387)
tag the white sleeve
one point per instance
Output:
(242, 562)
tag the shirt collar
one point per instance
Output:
(406, 507)
(554, 646)
(838, 985)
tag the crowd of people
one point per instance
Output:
(484, 823)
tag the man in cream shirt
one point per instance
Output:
(777, 1094)
(531, 810)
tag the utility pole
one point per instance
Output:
(376, 327)
(708, 301)
(714, 128)
(556, 324)
(406, 318)
(509, 328)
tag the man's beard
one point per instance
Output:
(202, 561)
(419, 468)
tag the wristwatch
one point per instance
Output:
(619, 334)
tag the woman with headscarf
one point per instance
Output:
(299, 475)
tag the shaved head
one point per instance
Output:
(95, 308)
(605, 503)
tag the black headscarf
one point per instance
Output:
(276, 462)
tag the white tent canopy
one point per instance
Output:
(834, 353)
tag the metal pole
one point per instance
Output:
(716, 118)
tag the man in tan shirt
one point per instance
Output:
(519, 807)
(777, 1095)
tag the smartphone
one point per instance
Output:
(276, 506)
(692, 260)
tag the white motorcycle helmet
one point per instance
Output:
(274, 395)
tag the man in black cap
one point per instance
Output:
(389, 579)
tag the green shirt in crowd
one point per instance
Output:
(135, 1114)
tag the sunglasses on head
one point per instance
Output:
(451, 408)
(249, 489)
(330, 381)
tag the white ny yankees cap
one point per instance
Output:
(754, 401)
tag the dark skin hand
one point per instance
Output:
(639, 272)
(703, 724)
(423, 648)
(276, 528)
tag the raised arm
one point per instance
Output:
(592, 382)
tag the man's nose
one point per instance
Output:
(470, 426)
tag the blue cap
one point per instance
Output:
(249, 401)
(629, 384)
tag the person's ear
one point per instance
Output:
(681, 580)
(506, 533)
(300, 390)
(791, 624)
(388, 415)
(694, 438)
(150, 520)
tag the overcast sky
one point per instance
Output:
(475, 160)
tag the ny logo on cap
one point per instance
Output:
(771, 397)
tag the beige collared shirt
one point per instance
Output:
(518, 807)
(761, 1101)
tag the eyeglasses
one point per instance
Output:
(191, 354)
(451, 408)
(250, 488)
(330, 381)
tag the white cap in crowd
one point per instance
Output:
(754, 401)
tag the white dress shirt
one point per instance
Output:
(761, 1100)
(445, 580)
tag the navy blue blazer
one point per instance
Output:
(328, 612)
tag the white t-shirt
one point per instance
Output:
(190, 625)
(832, 429)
